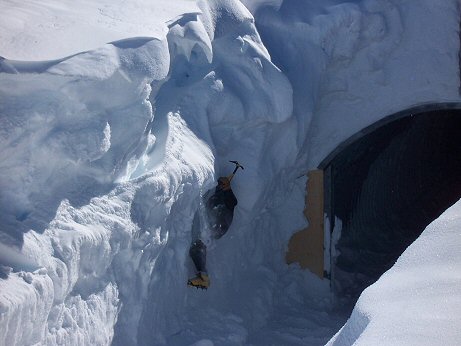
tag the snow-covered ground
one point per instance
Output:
(418, 301)
(54, 29)
(116, 118)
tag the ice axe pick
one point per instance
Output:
(237, 166)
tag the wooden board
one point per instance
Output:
(306, 246)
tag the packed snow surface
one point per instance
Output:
(117, 117)
(418, 301)
(53, 29)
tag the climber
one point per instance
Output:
(219, 214)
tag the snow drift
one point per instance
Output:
(417, 292)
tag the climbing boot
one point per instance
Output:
(200, 281)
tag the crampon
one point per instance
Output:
(200, 281)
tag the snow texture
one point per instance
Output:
(54, 29)
(418, 300)
(109, 139)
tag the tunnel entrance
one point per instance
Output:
(384, 188)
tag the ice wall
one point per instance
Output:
(69, 128)
(105, 156)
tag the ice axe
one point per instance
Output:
(237, 166)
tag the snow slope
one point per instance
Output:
(105, 154)
(418, 301)
(52, 29)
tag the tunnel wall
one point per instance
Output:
(387, 186)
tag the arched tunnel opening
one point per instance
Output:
(385, 188)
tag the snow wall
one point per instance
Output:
(356, 63)
(105, 155)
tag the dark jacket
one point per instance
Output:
(220, 210)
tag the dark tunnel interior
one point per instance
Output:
(386, 187)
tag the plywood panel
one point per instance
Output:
(306, 246)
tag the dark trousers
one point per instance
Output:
(197, 252)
